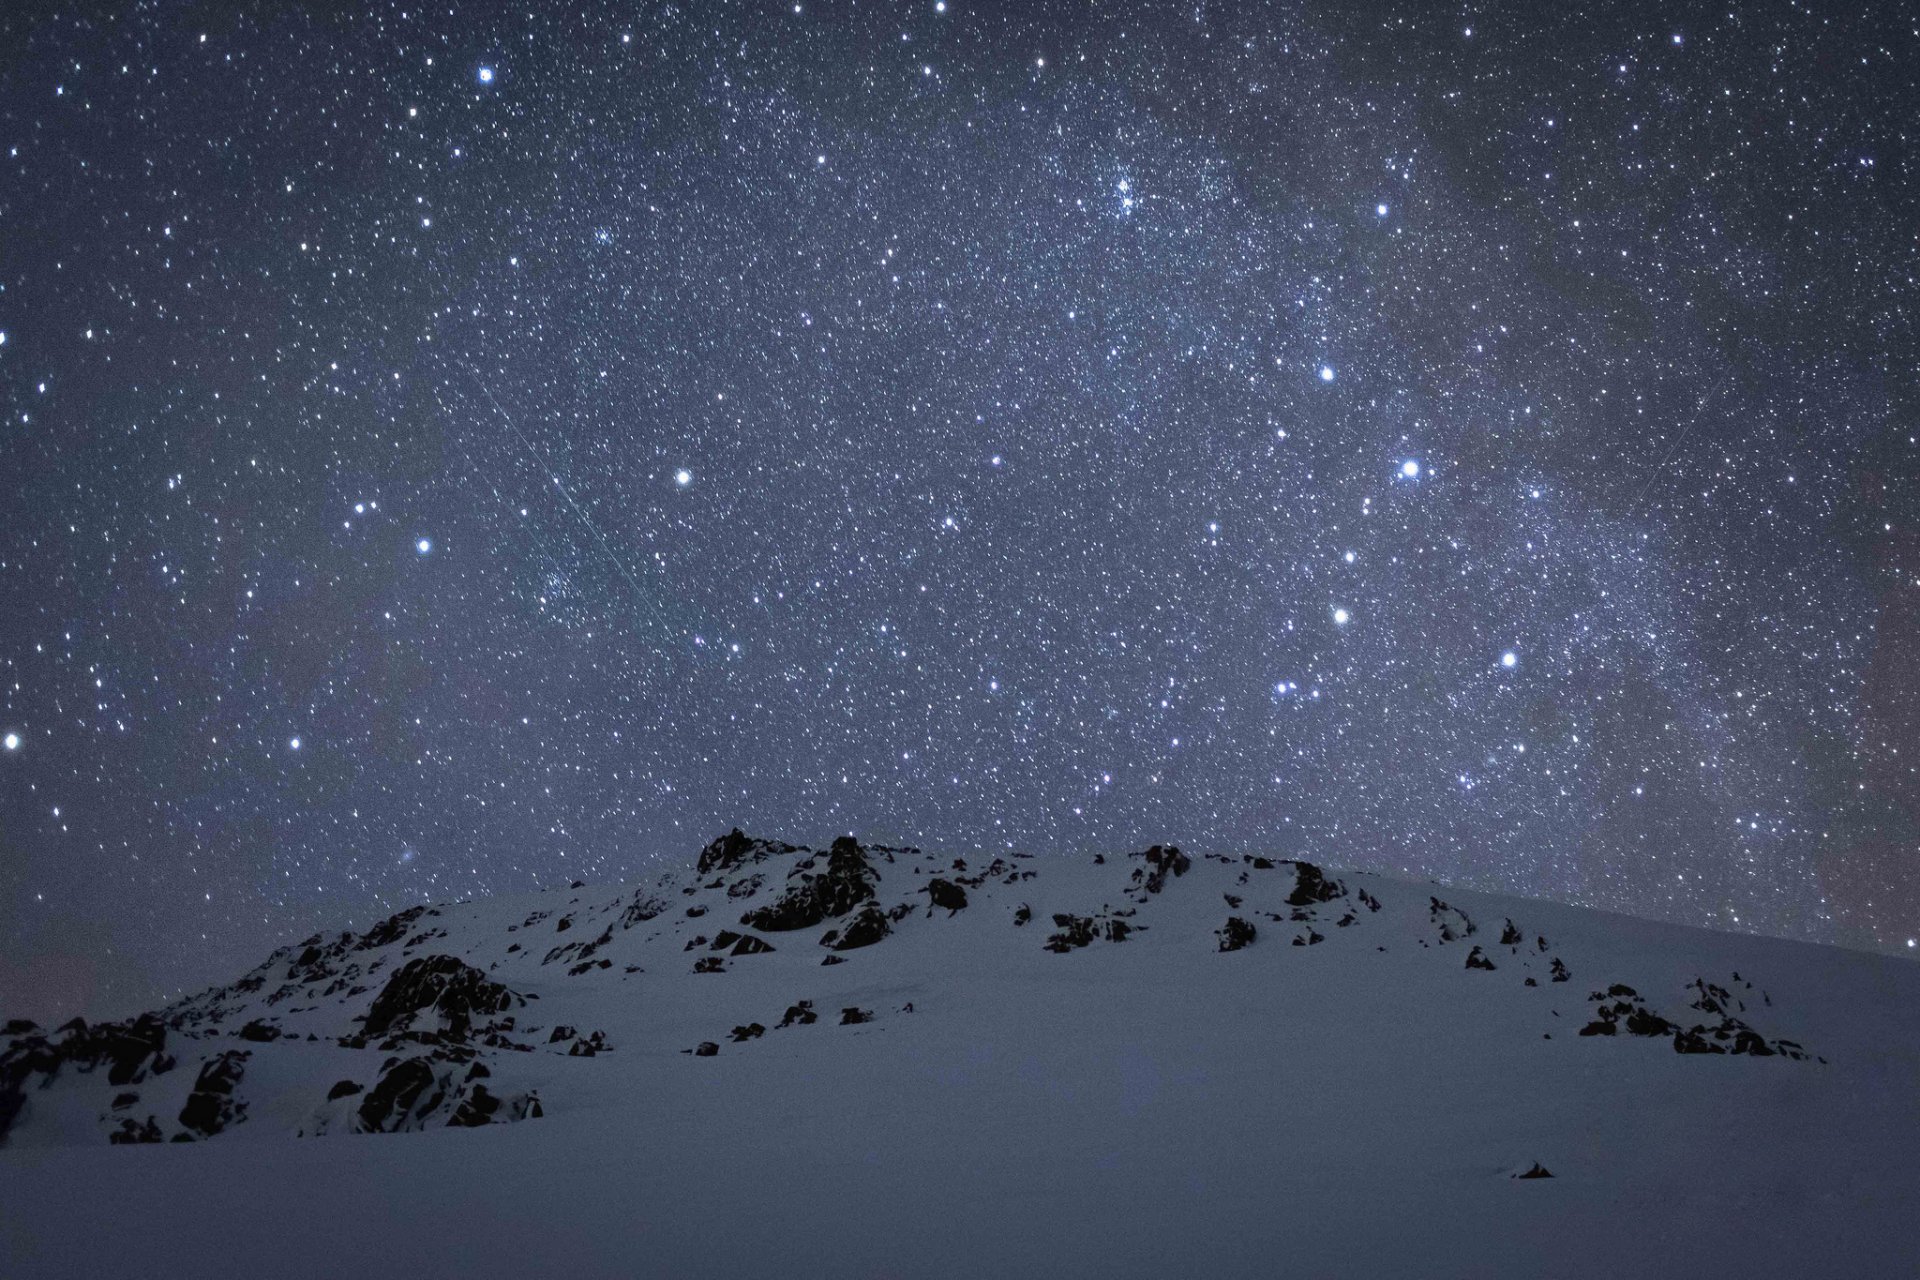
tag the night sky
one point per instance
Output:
(456, 450)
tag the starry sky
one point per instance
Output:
(464, 449)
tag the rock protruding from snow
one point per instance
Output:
(737, 848)
(1163, 860)
(130, 1051)
(945, 893)
(212, 1106)
(816, 894)
(1235, 934)
(865, 929)
(440, 985)
(1311, 885)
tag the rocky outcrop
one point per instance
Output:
(421, 1093)
(1311, 885)
(442, 987)
(815, 894)
(736, 849)
(1235, 934)
(1451, 923)
(130, 1051)
(212, 1107)
(947, 894)
(865, 929)
(1163, 860)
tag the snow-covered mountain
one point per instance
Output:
(875, 1060)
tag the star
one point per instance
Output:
(1410, 469)
(423, 546)
(1326, 373)
(485, 75)
(11, 742)
(683, 477)
(293, 744)
(1340, 616)
(1509, 658)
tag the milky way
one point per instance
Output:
(450, 453)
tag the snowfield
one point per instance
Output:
(870, 1061)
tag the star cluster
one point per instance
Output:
(450, 452)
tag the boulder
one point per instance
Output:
(1235, 934)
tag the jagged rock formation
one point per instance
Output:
(814, 895)
(442, 986)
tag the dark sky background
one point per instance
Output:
(455, 449)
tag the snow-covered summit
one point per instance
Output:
(1242, 1030)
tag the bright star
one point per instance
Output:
(1340, 617)
(1326, 373)
(423, 546)
(1509, 658)
(1410, 469)
(12, 741)
(293, 744)
(486, 75)
(1380, 209)
(683, 477)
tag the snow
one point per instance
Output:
(1147, 1107)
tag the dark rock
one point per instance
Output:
(863, 930)
(709, 964)
(1263, 864)
(129, 1133)
(1642, 1021)
(706, 1049)
(749, 945)
(589, 1046)
(1163, 860)
(945, 893)
(406, 1091)
(1311, 885)
(561, 1032)
(390, 930)
(211, 1107)
(724, 939)
(851, 1016)
(1074, 932)
(19, 1027)
(694, 913)
(737, 848)
(1695, 1041)
(442, 985)
(816, 895)
(752, 1031)
(1235, 934)
(1559, 970)
(800, 1014)
(644, 907)
(1538, 1171)
(343, 1089)
(1022, 915)
(1452, 922)
(121, 1101)
(475, 1109)
(1477, 959)
(1510, 936)
(260, 1031)
(833, 960)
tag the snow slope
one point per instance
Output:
(1054, 1069)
